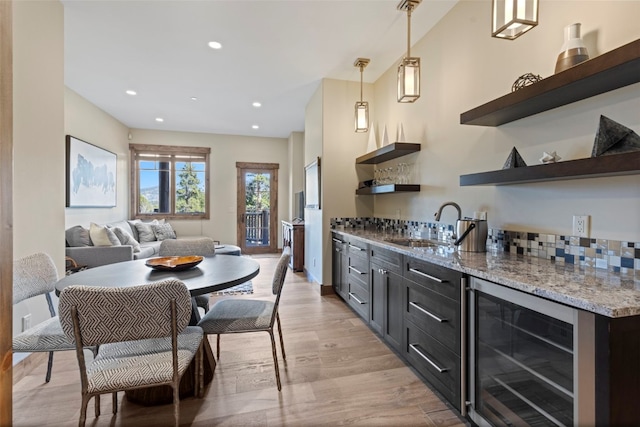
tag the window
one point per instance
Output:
(169, 181)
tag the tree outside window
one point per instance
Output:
(169, 181)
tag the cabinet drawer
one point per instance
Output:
(436, 363)
(358, 298)
(358, 268)
(358, 248)
(439, 279)
(433, 313)
(387, 259)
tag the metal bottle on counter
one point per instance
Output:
(472, 233)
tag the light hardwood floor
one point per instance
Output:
(337, 372)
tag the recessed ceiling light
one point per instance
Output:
(193, 98)
(159, 119)
(255, 127)
(131, 92)
(215, 45)
(257, 104)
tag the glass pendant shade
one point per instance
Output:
(513, 18)
(409, 80)
(362, 116)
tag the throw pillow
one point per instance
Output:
(102, 236)
(145, 232)
(134, 230)
(126, 239)
(77, 236)
(163, 231)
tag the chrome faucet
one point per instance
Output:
(455, 205)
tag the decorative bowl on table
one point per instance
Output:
(174, 263)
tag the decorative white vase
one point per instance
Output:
(372, 144)
(573, 50)
(385, 137)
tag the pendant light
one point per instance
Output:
(362, 107)
(513, 18)
(409, 68)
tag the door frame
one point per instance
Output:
(6, 212)
(272, 168)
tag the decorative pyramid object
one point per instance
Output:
(372, 144)
(385, 136)
(614, 138)
(400, 136)
(514, 160)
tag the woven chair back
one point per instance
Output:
(108, 315)
(33, 275)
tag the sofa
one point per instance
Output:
(117, 241)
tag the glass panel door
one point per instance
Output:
(257, 208)
(524, 365)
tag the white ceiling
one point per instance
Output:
(274, 52)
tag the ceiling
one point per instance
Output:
(273, 52)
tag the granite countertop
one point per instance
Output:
(595, 290)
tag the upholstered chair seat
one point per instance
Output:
(142, 336)
(238, 315)
(36, 275)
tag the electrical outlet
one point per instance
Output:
(480, 215)
(26, 322)
(581, 225)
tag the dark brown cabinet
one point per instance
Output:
(357, 275)
(432, 325)
(293, 236)
(386, 295)
(339, 263)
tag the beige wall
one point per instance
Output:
(87, 122)
(226, 150)
(296, 167)
(38, 139)
(463, 67)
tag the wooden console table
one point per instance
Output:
(293, 236)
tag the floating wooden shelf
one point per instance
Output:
(388, 188)
(593, 167)
(388, 152)
(609, 71)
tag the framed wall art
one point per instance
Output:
(312, 184)
(91, 175)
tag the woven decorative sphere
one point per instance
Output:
(525, 80)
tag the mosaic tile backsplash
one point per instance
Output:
(613, 255)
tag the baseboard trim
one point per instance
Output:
(327, 290)
(28, 364)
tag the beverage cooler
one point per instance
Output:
(529, 360)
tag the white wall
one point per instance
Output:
(463, 67)
(226, 150)
(38, 140)
(87, 122)
(313, 146)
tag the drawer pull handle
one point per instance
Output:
(355, 247)
(356, 270)
(428, 276)
(428, 313)
(352, 295)
(421, 354)
(337, 240)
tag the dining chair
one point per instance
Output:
(238, 315)
(203, 247)
(35, 275)
(142, 338)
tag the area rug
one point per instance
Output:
(242, 289)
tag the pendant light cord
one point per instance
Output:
(409, 31)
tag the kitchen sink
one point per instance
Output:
(415, 243)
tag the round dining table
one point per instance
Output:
(213, 274)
